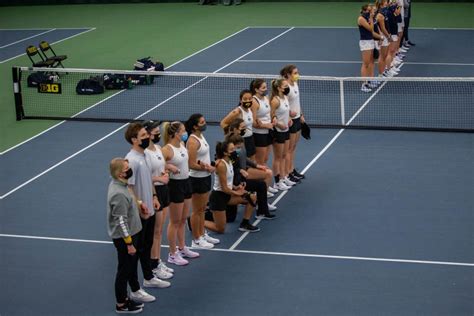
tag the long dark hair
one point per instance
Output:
(221, 149)
(192, 121)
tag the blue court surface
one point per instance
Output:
(13, 42)
(382, 225)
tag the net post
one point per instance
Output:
(16, 75)
(341, 91)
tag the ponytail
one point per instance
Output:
(221, 148)
(276, 83)
(170, 130)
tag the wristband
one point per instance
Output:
(128, 240)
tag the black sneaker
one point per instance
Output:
(298, 175)
(248, 228)
(265, 216)
(135, 303)
(128, 308)
(294, 178)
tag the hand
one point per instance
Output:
(274, 121)
(302, 119)
(292, 113)
(131, 250)
(156, 203)
(239, 191)
(261, 167)
(244, 173)
(173, 169)
(144, 213)
(164, 178)
(290, 123)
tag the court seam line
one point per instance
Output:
(54, 43)
(124, 125)
(313, 161)
(26, 38)
(344, 62)
(273, 253)
(179, 61)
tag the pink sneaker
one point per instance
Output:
(187, 253)
(177, 259)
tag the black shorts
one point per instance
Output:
(281, 137)
(218, 201)
(262, 140)
(296, 127)
(163, 195)
(250, 146)
(180, 190)
(201, 185)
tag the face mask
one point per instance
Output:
(296, 77)
(233, 155)
(145, 143)
(238, 150)
(202, 128)
(128, 174)
(247, 104)
(156, 138)
(242, 132)
(286, 91)
(184, 137)
(263, 93)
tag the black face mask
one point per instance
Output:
(286, 91)
(234, 156)
(242, 132)
(145, 143)
(156, 138)
(247, 104)
(202, 128)
(128, 174)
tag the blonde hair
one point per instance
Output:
(170, 129)
(116, 166)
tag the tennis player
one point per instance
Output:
(366, 44)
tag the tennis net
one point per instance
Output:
(428, 104)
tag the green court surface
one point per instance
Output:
(170, 32)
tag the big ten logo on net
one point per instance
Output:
(54, 88)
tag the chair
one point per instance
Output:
(32, 51)
(57, 59)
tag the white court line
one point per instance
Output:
(244, 235)
(271, 253)
(136, 118)
(179, 61)
(47, 28)
(56, 125)
(342, 62)
(66, 38)
(353, 27)
(27, 38)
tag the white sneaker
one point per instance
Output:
(373, 84)
(271, 207)
(163, 266)
(387, 74)
(155, 282)
(288, 182)
(187, 253)
(365, 88)
(201, 243)
(270, 194)
(281, 186)
(162, 274)
(403, 49)
(177, 259)
(272, 190)
(141, 296)
(210, 239)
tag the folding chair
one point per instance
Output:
(32, 51)
(57, 59)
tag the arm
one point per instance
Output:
(193, 146)
(221, 170)
(119, 213)
(144, 213)
(229, 118)
(367, 25)
(381, 20)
